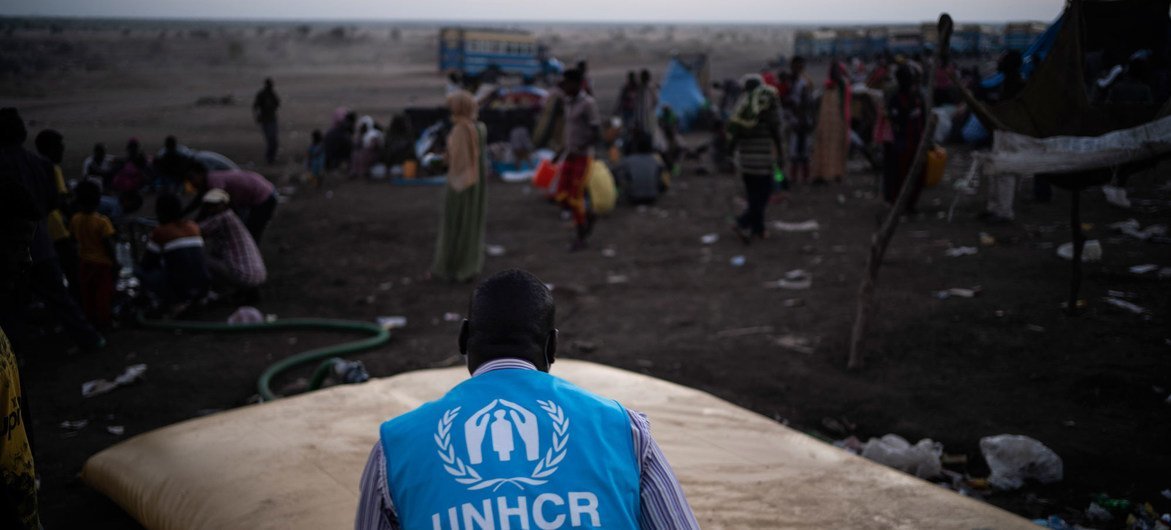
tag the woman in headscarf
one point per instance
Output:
(459, 253)
(832, 138)
(754, 131)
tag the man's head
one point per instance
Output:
(170, 144)
(645, 76)
(511, 316)
(797, 65)
(905, 78)
(631, 78)
(197, 175)
(133, 148)
(268, 83)
(215, 201)
(99, 153)
(168, 208)
(51, 145)
(12, 131)
(89, 195)
(571, 82)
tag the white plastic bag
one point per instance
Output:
(1012, 458)
(921, 459)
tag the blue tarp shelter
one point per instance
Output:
(681, 91)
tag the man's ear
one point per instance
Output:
(550, 348)
(464, 329)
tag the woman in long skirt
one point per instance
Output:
(459, 253)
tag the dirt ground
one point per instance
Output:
(1092, 387)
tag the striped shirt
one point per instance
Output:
(662, 506)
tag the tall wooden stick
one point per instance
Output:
(878, 243)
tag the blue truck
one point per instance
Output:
(472, 51)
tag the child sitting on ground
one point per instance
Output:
(315, 159)
(95, 248)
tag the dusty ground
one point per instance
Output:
(1007, 361)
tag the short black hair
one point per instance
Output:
(511, 315)
(168, 208)
(89, 195)
(573, 75)
(170, 142)
(51, 145)
(12, 130)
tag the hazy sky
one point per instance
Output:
(782, 11)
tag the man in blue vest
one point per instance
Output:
(514, 447)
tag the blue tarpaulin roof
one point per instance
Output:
(1032, 56)
(682, 93)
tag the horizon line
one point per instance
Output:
(440, 22)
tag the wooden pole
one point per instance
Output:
(881, 239)
(878, 243)
(1079, 242)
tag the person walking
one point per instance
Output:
(602, 469)
(755, 134)
(264, 111)
(582, 130)
(459, 250)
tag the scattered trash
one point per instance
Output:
(350, 372)
(793, 302)
(385, 286)
(804, 226)
(956, 252)
(1133, 228)
(584, 346)
(549, 286)
(116, 430)
(1095, 512)
(919, 234)
(841, 199)
(1121, 294)
(614, 279)
(795, 343)
(494, 250)
(1123, 304)
(1054, 523)
(389, 323)
(1034, 327)
(851, 444)
(958, 292)
(921, 459)
(101, 386)
(1114, 506)
(1143, 269)
(1091, 251)
(452, 317)
(709, 239)
(1166, 493)
(986, 239)
(609, 252)
(329, 194)
(246, 315)
(1116, 196)
(1013, 458)
(74, 425)
(1164, 273)
(795, 279)
(744, 332)
(738, 261)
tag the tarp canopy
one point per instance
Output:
(1025, 155)
(681, 91)
(1055, 100)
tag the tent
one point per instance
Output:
(1053, 129)
(682, 92)
(1089, 31)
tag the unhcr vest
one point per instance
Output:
(513, 449)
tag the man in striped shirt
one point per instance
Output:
(602, 469)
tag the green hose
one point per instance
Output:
(380, 337)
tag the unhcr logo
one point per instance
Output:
(494, 432)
